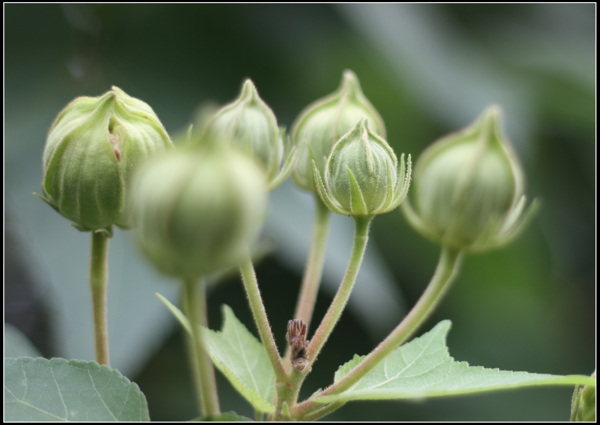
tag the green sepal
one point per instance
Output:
(583, 403)
(330, 203)
(106, 232)
(292, 153)
(47, 201)
(404, 175)
(390, 197)
(357, 200)
(517, 221)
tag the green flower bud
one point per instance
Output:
(323, 122)
(197, 211)
(583, 404)
(250, 125)
(362, 176)
(91, 151)
(469, 188)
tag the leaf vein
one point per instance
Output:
(100, 395)
(408, 365)
(60, 393)
(31, 406)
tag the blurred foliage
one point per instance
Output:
(429, 69)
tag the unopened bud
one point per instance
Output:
(362, 177)
(196, 212)
(92, 150)
(324, 122)
(251, 126)
(469, 188)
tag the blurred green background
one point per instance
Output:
(429, 70)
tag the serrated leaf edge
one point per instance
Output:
(444, 327)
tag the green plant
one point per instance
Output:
(198, 210)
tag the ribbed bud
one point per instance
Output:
(251, 126)
(324, 122)
(469, 188)
(92, 150)
(362, 176)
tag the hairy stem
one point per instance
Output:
(98, 282)
(361, 236)
(260, 316)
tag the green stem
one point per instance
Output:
(445, 273)
(260, 316)
(313, 270)
(195, 308)
(314, 265)
(361, 236)
(98, 283)
(289, 394)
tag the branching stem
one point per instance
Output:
(445, 273)
(289, 394)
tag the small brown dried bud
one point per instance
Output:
(296, 338)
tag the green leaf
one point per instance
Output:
(423, 368)
(69, 390)
(243, 360)
(240, 356)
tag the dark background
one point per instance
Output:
(429, 70)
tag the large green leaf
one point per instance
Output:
(424, 368)
(69, 390)
(243, 360)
